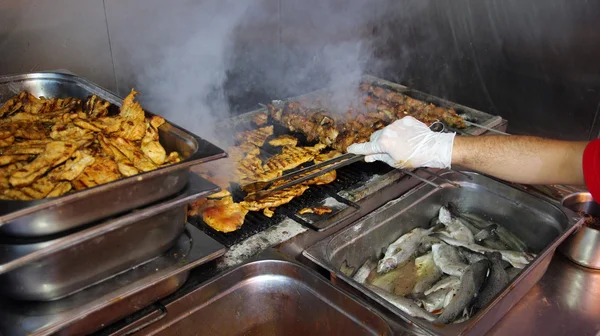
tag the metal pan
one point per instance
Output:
(109, 301)
(583, 246)
(49, 270)
(50, 216)
(540, 224)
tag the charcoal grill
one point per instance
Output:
(353, 182)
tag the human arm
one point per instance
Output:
(522, 159)
(408, 143)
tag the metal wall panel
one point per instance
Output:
(56, 34)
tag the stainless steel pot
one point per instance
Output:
(583, 246)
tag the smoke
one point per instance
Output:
(235, 54)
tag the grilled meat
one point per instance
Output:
(284, 140)
(316, 210)
(260, 118)
(256, 137)
(276, 199)
(291, 157)
(223, 215)
(50, 146)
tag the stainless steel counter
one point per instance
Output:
(565, 302)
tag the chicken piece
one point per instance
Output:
(86, 125)
(8, 159)
(135, 155)
(284, 140)
(329, 176)
(269, 212)
(95, 107)
(316, 210)
(172, 158)
(40, 188)
(29, 131)
(256, 137)
(5, 142)
(124, 165)
(28, 147)
(108, 125)
(131, 110)
(55, 153)
(291, 157)
(151, 147)
(132, 130)
(62, 132)
(103, 170)
(73, 167)
(60, 189)
(16, 194)
(157, 121)
(6, 171)
(32, 104)
(223, 215)
(275, 199)
(260, 118)
(12, 105)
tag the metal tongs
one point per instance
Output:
(261, 189)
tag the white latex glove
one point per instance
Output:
(408, 143)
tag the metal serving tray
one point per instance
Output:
(50, 216)
(268, 296)
(109, 301)
(540, 224)
(49, 270)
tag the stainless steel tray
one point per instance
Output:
(111, 300)
(51, 216)
(49, 270)
(268, 296)
(542, 225)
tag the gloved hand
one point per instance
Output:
(408, 143)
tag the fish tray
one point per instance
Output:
(51, 216)
(539, 223)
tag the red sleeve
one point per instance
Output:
(591, 168)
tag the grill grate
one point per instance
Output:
(347, 177)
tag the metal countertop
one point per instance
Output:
(566, 301)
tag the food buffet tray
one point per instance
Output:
(540, 224)
(49, 270)
(111, 300)
(50, 216)
(269, 295)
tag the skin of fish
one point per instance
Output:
(470, 256)
(486, 233)
(506, 236)
(517, 259)
(470, 284)
(455, 226)
(407, 306)
(401, 250)
(448, 259)
(426, 244)
(435, 301)
(447, 282)
(512, 272)
(427, 273)
(496, 281)
(454, 211)
(494, 243)
(364, 271)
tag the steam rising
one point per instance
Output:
(233, 55)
